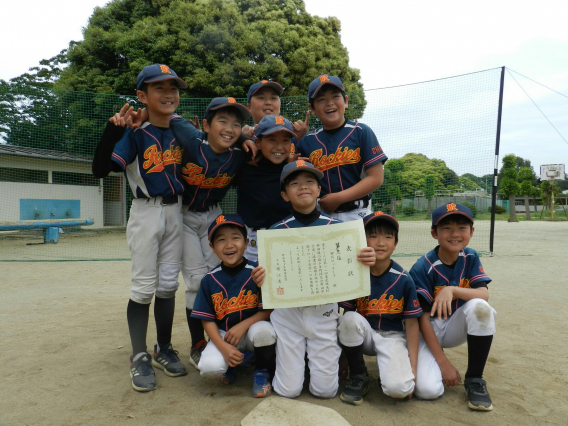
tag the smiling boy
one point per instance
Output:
(452, 286)
(343, 150)
(230, 306)
(386, 322)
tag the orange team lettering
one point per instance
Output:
(292, 149)
(381, 306)
(232, 100)
(379, 213)
(279, 120)
(165, 69)
(264, 81)
(464, 283)
(339, 158)
(224, 307)
(300, 163)
(452, 207)
(416, 303)
(156, 160)
(220, 219)
(323, 78)
(191, 173)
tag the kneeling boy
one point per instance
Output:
(385, 323)
(451, 283)
(230, 307)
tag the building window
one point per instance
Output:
(23, 175)
(80, 179)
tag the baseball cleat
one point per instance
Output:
(249, 358)
(195, 353)
(229, 377)
(261, 386)
(356, 389)
(142, 374)
(167, 359)
(476, 391)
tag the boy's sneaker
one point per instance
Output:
(195, 353)
(357, 387)
(249, 358)
(142, 374)
(476, 390)
(167, 359)
(229, 377)
(261, 386)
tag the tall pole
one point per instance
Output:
(496, 167)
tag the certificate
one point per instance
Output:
(313, 265)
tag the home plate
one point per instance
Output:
(277, 411)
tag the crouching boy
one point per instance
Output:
(385, 323)
(230, 307)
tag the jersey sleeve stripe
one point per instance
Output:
(482, 277)
(425, 293)
(203, 314)
(413, 312)
(119, 159)
(374, 159)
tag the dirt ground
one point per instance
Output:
(65, 349)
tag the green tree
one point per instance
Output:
(429, 191)
(519, 164)
(526, 175)
(394, 167)
(509, 185)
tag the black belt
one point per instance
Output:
(352, 205)
(202, 209)
(169, 199)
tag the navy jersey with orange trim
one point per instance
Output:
(206, 176)
(292, 222)
(393, 298)
(342, 156)
(227, 300)
(431, 275)
(151, 159)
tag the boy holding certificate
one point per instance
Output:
(309, 329)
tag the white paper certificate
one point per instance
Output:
(313, 265)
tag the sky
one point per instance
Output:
(392, 43)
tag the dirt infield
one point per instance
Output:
(65, 349)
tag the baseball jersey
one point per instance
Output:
(431, 275)
(151, 159)
(343, 155)
(393, 298)
(206, 176)
(292, 222)
(227, 300)
(259, 202)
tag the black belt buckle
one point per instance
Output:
(169, 199)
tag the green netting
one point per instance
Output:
(443, 132)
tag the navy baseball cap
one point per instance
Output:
(380, 216)
(321, 81)
(272, 124)
(218, 103)
(227, 219)
(297, 165)
(451, 208)
(264, 83)
(158, 72)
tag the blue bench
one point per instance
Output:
(50, 227)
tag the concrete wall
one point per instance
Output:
(90, 198)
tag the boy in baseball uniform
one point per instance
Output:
(150, 157)
(310, 329)
(229, 304)
(385, 323)
(452, 287)
(347, 152)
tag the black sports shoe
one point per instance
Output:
(476, 390)
(167, 359)
(142, 374)
(357, 387)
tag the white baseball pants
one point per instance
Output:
(311, 329)
(154, 236)
(212, 363)
(198, 257)
(475, 317)
(389, 347)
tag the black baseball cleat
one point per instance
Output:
(356, 389)
(476, 390)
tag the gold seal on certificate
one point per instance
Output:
(313, 265)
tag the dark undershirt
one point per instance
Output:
(232, 271)
(386, 271)
(337, 129)
(306, 219)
